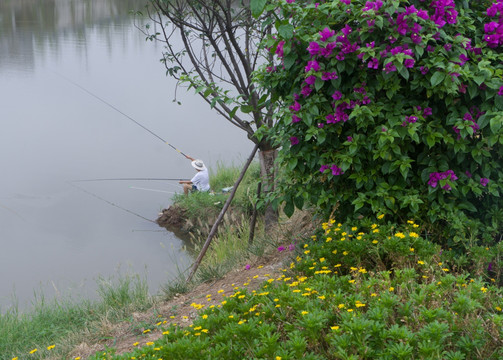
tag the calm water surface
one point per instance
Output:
(54, 237)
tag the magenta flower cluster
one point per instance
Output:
(435, 178)
(494, 29)
(472, 117)
(335, 169)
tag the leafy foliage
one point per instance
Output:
(392, 107)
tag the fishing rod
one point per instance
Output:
(120, 112)
(128, 179)
(109, 202)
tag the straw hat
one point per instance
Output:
(198, 165)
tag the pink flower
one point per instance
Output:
(326, 34)
(484, 181)
(281, 248)
(294, 140)
(247, 267)
(337, 95)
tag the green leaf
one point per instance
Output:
(289, 60)
(437, 78)
(404, 72)
(289, 208)
(496, 123)
(318, 84)
(247, 109)
(257, 7)
(286, 31)
(299, 202)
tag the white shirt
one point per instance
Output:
(201, 180)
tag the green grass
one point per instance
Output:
(66, 323)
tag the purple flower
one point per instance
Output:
(448, 47)
(281, 248)
(409, 63)
(279, 48)
(484, 181)
(337, 95)
(312, 65)
(290, 1)
(313, 48)
(416, 39)
(349, 138)
(294, 140)
(310, 80)
(295, 107)
(427, 112)
(468, 174)
(424, 70)
(295, 118)
(347, 2)
(346, 30)
(373, 63)
(326, 34)
(247, 267)
(306, 90)
(323, 168)
(291, 247)
(500, 91)
(389, 67)
(435, 177)
(329, 76)
(336, 170)
(463, 59)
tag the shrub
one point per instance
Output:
(392, 107)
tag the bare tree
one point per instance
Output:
(214, 46)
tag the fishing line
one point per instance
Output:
(109, 202)
(113, 107)
(162, 191)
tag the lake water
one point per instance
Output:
(54, 237)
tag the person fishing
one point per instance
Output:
(200, 181)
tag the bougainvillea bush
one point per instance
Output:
(392, 107)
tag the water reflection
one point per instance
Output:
(33, 29)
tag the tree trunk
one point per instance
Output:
(268, 173)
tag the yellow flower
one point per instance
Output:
(415, 225)
(445, 269)
(375, 242)
(341, 306)
(260, 266)
(50, 347)
(322, 259)
(33, 351)
(351, 281)
(278, 358)
(483, 289)
(374, 226)
(77, 358)
(304, 312)
(205, 316)
(146, 331)
(420, 262)
(373, 294)
(16, 358)
(231, 316)
(150, 343)
(411, 249)
(413, 235)
(136, 343)
(345, 253)
(391, 288)
(498, 308)
(359, 304)
(380, 216)
(350, 310)
(328, 239)
(322, 297)
(354, 228)
(334, 327)
(334, 252)
(307, 252)
(375, 230)
(166, 332)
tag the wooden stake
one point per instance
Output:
(254, 215)
(221, 216)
